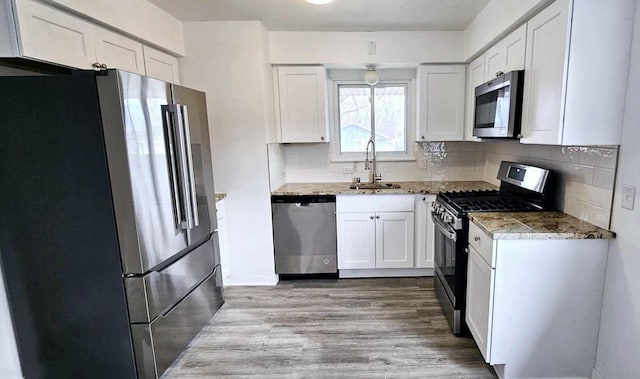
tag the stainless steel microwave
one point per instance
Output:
(498, 106)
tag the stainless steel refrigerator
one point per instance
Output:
(107, 222)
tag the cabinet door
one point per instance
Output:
(424, 232)
(223, 238)
(441, 102)
(545, 74)
(51, 35)
(494, 61)
(118, 51)
(513, 49)
(303, 106)
(480, 283)
(476, 78)
(394, 239)
(161, 65)
(356, 240)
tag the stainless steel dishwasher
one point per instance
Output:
(304, 234)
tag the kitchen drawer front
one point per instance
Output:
(483, 244)
(374, 203)
(158, 344)
(152, 294)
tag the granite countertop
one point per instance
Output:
(293, 189)
(219, 196)
(536, 226)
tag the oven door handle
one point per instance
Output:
(452, 235)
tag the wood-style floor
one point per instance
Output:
(356, 328)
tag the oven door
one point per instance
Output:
(445, 256)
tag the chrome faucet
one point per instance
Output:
(373, 175)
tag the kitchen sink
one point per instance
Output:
(373, 186)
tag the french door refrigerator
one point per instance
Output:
(107, 222)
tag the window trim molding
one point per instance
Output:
(334, 118)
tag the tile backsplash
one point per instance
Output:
(586, 175)
(305, 163)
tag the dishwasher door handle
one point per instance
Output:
(303, 205)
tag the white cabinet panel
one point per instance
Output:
(302, 92)
(356, 240)
(424, 232)
(480, 279)
(441, 99)
(394, 240)
(475, 78)
(50, 35)
(118, 51)
(495, 61)
(514, 50)
(223, 238)
(545, 75)
(160, 65)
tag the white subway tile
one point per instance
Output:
(604, 178)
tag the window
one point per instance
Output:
(355, 128)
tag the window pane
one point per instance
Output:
(390, 113)
(355, 118)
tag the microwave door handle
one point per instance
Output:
(444, 229)
(490, 87)
(189, 166)
(171, 151)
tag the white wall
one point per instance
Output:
(350, 48)
(139, 18)
(619, 343)
(227, 61)
(497, 19)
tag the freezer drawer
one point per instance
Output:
(153, 294)
(156, 345)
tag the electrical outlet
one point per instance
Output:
(628, 196)
(371, 47)
(347, 170)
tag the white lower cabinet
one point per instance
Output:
(356, 240)
(480, 277)
(394, 239)
(533, 306)
(424, 231)
(375, 232)
(223, 238)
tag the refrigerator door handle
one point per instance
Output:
(189, 166)
(174, 138)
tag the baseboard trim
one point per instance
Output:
(232, 281)
(386, 272)
(596, 374)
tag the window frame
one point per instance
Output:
(334, 101)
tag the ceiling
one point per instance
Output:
(340, 15)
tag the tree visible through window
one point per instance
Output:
(390, 114)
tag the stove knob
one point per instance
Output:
(448, 218)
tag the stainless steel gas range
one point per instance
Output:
(523, 188)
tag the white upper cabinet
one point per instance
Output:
(43, 32)
(547, 40)
(577, 60)
(441, 99)
(494, 61)
(506, 55)
(302, 104)
(475, 78)
(514, 50)
(48, 34)
(161, 65)
(118, 51)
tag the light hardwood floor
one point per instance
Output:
(355, 328)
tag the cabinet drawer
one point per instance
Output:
(374, 203)
(483, 244)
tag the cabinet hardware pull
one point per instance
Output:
(371, 217)
(476, 238)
